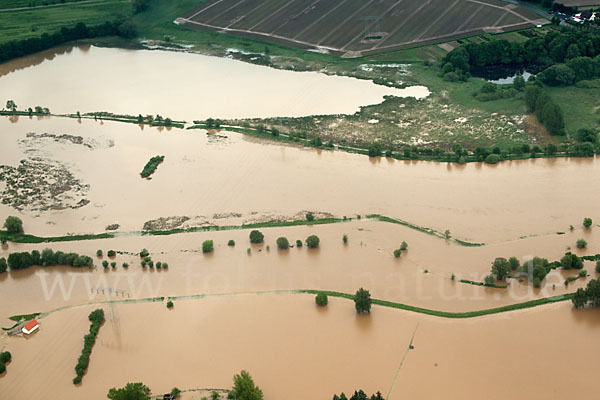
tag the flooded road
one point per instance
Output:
(296, 351)
(234, 179)
(179, 85)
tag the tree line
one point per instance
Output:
(96, 318)
(19, 48)
(589, 295)
(359, 395)
(47, 258)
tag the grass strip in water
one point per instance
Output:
(23, 238)
(448, 314)
(493, 285)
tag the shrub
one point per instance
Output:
(489, 279)
(248, 251)
(111, 253)
(500, 268)
(514, 263)
(13, 224)
(537, 282)
(312, 241)
(492, 159)
(362, 301)
(144, 263)
(310, 216)
(397, 253)
(321, 299)
(447, 234)
(3, 264)
(151, 264)
(105, 264)
(169, 304)
(144, 253)
(582, 273)
(5, 357)
(99, 253)
(113, 264)
(175, 393)
(125, 265)
(256, 236)
(207, 246)
(268, 248)
(581, 244)
(587, 222)
(404, 245)
(231, 242)
(165, 265)
(151, 166)
(282, 243)
(452, 277)
(298, 243)
(158, 264)
(345, 238)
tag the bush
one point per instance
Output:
(397, 253)
(207, 246)
(489, 279)
(159, 265)
(312, 241)
(537, 282)
(282, 243)
(144, 253)
(105, 264)
(13, 224)
(256, 236)
(404, 245)
(5, 357)
(514, 263)
(231, 243)
(375, 150)
(581, 244)
(125, 265)
(310, 216)
(345, 238)
(298, 243)
(113, 264)
(169, 304)
(362, 301)
(582, 273)
(165, 265)
(3, 265)
(151, 264)
(111, 253)
(99, 253)
(151, 166)
(587, 222)
(492, 159)
(321, 299)
(570, 260)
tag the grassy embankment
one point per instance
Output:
(347, 296)
(25, 238)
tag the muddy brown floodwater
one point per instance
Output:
(250, 180)
(180, 85)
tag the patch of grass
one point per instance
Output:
(484, 284)
(151, 166)
(25, 317)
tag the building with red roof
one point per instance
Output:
(30, 327)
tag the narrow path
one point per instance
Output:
(49, 5)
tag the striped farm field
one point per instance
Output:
(358, 27)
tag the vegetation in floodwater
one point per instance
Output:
(231, 242)
(298, 243)
(321, 299)
(151, 166)
(256, 236)
(96, 318)
(312, 241)
(207, 246)
(283, 243)
(169, 304)
(362, 301)
(345, 238)
(397, 253)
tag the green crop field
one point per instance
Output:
(358, 27)
(23, 24)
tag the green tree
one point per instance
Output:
(312, 241)
(553, 119)
(111, 253)
(282, 243)
(3, 265)
(500, 268)
(581, 244)
(321, 299)
(587, 222)
(5, 357)
(404, 245)
(447, 234)
(144, 253)
(598, 267)
(375, 149)
(207, 246)
(10, 105)
(244, 388)
(489, 279)
(362, 301)
(397, 253)
(105, 264)
(514, 263)
(231, 242)
(310, 216)
(131, 391)
(99, 253)
(298, 243)
(580, 298)
(531, 95)
(345, 238)
(214, 395)
(13, 224)
(170, 304)
(175, 393)
(256, 236)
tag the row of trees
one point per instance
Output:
(536, 54)
(47, 258)
(151, 166)
(574, 70)
(96, 318)
(19, 48)
(545, 109)
(589, 295)
(360, 395)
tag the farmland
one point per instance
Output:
(354, 27)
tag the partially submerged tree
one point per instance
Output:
(13, 224)
(362, 301)
(131, 391)
(244, 388)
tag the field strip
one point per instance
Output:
(401, 25)
(470, 18)
(266, 35)
(438, 19)
(362, 33)
(293, 17)
(206, 8)
(270, 15)
(502, 8)
(347, 296)
(341, 3)
(226, 10)
(49, 5)
(345, 21)
(499, 19)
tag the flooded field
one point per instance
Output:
(296, 351)
(179, 85)
(231, 179)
